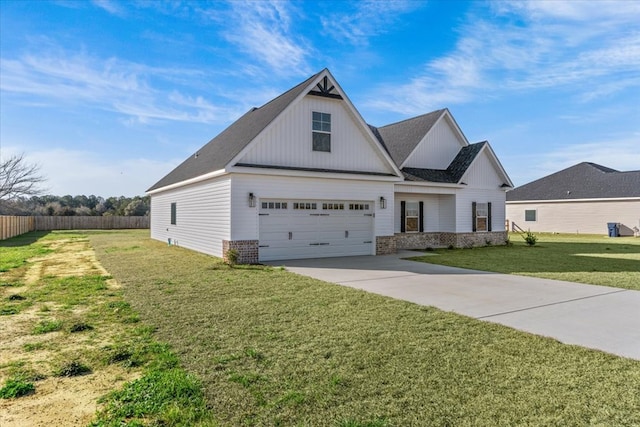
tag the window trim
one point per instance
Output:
(174, 211)
(321, 123)
(408, 208)
(487, 217)
(535, 215)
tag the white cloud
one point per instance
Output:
(78, 172)
(128, 88)
(262, 29)
(112, 7)
(573, 10)
(368, 19)
(583, 54)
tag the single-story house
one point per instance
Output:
(581, 199)
(305, 176)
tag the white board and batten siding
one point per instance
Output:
(288, 141)
(484, 185)
(439, 211)
(438, 148)
(583, 217)
(203, 215)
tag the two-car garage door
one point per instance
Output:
(290, 229)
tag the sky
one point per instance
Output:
(109, 96)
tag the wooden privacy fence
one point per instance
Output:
(11, 226)
(90, 222)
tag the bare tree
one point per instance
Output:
(19, 178)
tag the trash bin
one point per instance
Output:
(614, 229)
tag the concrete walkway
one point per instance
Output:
(598, 317)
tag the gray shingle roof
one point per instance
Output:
(401, 138)
(218, 152)
(398, 139)
(582, 181)
(454, 172)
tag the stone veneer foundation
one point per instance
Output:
(445, 240)
(385, 245)
(247, 250)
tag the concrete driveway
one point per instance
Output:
(598, 317)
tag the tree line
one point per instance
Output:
(20, 194)
(82, 205)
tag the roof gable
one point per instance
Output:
(582, 181)
(285, 143)
(454, 172)
(402, 138)
(227, 147)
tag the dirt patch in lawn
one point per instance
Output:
(70, 257)
(57, 400)
(62, 401)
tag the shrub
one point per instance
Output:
(47, 326)
(530, 238)
(79, 327)
(16, 388)
(72, 369)
(231, 257)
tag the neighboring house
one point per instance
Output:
(579, 199)
(304, 176)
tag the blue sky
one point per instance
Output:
(109, 96)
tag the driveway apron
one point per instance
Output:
(597, 317)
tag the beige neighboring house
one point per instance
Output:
(584, 199)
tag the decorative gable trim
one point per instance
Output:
(325, 90)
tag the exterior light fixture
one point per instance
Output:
(252, 200)
(383, 203)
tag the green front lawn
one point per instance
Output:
(589, 259)
(273, 348)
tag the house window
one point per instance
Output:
(173, 213)
(321, 131)
(411, 217)
(530, 215)
(481, 216)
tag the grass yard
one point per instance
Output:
(68, 337)
(589, 259)
(272, 348)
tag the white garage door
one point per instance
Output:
(291, 229)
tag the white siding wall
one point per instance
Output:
(202, 217)
(245, 219)
(464, 201)
(437, 149)
(483, 186)
(439, 211)
(589, 217)
(288, 141)
(447, 213)
(482, 174)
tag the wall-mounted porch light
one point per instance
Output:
(383, 203)
(252, 200)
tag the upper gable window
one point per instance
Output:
(321, 131)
